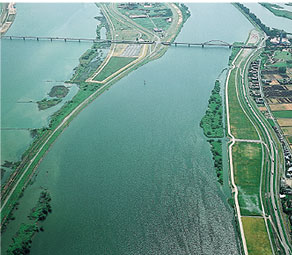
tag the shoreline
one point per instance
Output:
(7, 18)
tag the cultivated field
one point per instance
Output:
(256, 236)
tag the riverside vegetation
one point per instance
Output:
(21, 242)
(212, 125)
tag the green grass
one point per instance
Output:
(289, 139)
(234, 51)
(241, 127)
(282, 64)
(212, 123)
(247, 172)
(282, 114)
(114, 64)
(272, 123)
(256, 235)
(283, 55)
(278, 12)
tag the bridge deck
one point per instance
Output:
(214, 43)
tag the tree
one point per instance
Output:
(282, 69)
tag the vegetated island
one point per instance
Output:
(21, 242)
(212, 125)
(277, 10)
(47, 103)
(59, 92)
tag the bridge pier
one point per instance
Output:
(65, 40)
(51, 39)
(230, 46)
(189, 45)
(37, 38)
(203, 45)
(79, 40)
(23, 38)
(10, 37)
(175, 44)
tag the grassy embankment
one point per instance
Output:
(240, 125)
(22, 240)
(255, 232)
(45, 137)
(114, 65)
(212, 125)
(277, 10)
(247, 173)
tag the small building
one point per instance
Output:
(157, 30)
(168, 20)
(259, 100)
(138, 16)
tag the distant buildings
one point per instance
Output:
(280, 40)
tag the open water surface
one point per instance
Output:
(30, 69)
(133, 173)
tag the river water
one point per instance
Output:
(30, 68)
(133, 173)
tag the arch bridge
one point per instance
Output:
(213, 43)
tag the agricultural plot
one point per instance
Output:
(247, 172)
(283, 114)
(277, 86)
(257, 238)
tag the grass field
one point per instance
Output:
(114, 64)
(285, 55)
(289, 139)
(247, 172)
(272, 123)
(282, 114)
(241, 127)
(257, 238)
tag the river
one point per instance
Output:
(269, 19)
(51, 63)
(133, 173)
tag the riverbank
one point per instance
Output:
(60, 120)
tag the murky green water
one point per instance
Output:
(133, 173)
(30, 69)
